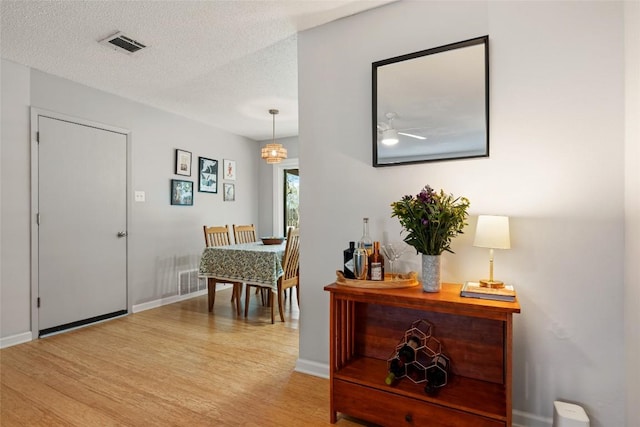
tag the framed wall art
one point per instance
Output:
(229, 192)
(183, 162)
(229, 169)
(181, 192)
(207, 175)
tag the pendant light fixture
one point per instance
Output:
(274, 153)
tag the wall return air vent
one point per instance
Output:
(122, 43)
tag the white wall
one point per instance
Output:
(163, 239)
(632, 214)
(15, 188)
(556, 167)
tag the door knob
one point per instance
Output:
(122, 234)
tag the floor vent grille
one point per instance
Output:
(189, 282)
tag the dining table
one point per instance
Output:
(245, 263)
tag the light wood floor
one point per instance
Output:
(175, 365)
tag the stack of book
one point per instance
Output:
(474, 290)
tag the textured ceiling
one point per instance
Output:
(225, 63)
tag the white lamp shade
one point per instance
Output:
(492, 232)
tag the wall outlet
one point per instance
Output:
(139, 196)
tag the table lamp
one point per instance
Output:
(492, 232)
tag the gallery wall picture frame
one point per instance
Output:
(181, 192)
(207, 175)
(229, 167)
(229, 191)
(183, 162)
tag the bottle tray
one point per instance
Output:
(402, 280)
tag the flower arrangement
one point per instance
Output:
(431, 219)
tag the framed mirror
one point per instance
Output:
(432, 105)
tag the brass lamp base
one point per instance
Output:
(496, 284)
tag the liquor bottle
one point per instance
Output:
(376, 263)
(348, 261)
(366, 238)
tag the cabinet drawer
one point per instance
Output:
(389, 409)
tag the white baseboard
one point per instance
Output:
(525, 419)
(16, 339)
(170, 300)
(312, 368)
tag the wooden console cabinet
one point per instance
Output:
(476, 334)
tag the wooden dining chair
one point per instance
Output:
(219, 236)
(289, 279)
(291, 267)
(244, 233)
(247, 234)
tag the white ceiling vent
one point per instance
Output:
(119, 41)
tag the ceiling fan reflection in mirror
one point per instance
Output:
(389, 134)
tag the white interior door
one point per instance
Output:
(82, 250)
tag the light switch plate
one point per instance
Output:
(139, 196)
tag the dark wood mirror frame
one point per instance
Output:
(434, 102)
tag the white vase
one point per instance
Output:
(431, 273)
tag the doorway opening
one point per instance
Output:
(286, 176)
(291, 198)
